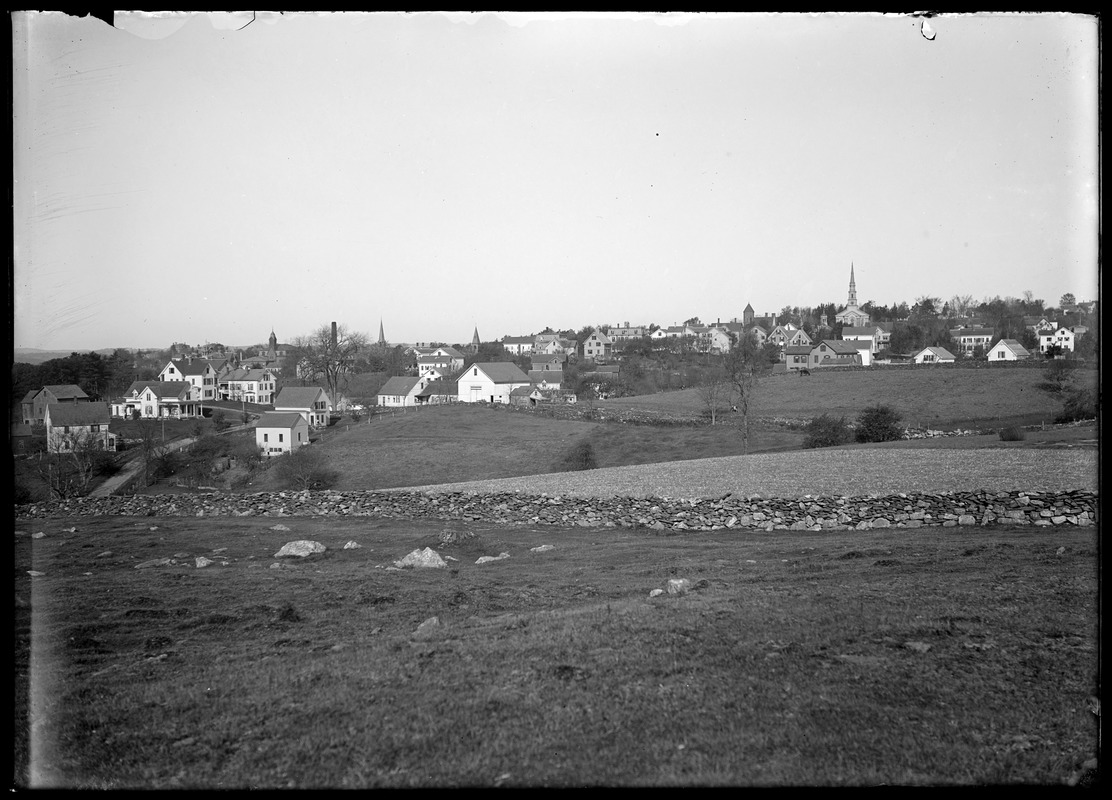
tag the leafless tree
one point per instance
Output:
(69, 471)
(715, 392)
(745, 365)
(328, 356)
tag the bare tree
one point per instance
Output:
(716, 392)
(328, 355)
(69, 471)
(745, 366)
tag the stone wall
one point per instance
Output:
(948, 509)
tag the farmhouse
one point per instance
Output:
(1062, 337)
(400, 391)
(598, 346)
(198, 372)
(519, 345)
(490, 383)
(969, 340)
(833, 353)
(154, 399)
(281, 432)
(33, 406)
(70, 426)
(248, 386)
(795, 357)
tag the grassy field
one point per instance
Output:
(939, 398)
(927, 657)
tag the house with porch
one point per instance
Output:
(70, 426)
(199, 372)
(311, 402)
(160, 399)
(281, 432)
(969, 340)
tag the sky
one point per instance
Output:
(204, 177)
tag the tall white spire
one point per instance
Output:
(851, 302)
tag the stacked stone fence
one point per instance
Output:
(904, 510)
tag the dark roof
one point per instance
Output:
(161, 388)
(279, 419)
(439, 388)
(78, 414)
(299, 396)
(66, 391)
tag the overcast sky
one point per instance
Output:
(191, 179)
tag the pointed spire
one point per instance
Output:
(475, 340)
(381, 333)
(851, 302)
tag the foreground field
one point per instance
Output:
(943, 656)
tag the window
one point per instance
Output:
(266, 437)
(281, 437)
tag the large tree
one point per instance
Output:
(745, 365)
(327, 356)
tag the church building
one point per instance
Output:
(851, 315)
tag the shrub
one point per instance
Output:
(1012, 433)
(878, 424)
(827, 431)
(306, 469)
(1080, 404)
(219, 421)
(580, 456)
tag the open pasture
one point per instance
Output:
(929, 397)
(909, 657)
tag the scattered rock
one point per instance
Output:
(69, 530)
(35, 573)
(351, 545)
(422, 559)
(451, 536)
(656, 593)
(300, 548)
(203, 562)
(105, 554)
(1060, 551)
(279, 527)
(427, 629)
(542, 548)
(918, 647)
(155, 562)
(486, 559)
(181, 555)
(38, 535)
(679, 586)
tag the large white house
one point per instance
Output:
(197, 372)
(490, 383)
(153, 399)
(1063, 337)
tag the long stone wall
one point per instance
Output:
(948, 509)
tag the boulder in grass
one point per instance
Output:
(279, 527)
(427, 629)
(352, 545)
(679, 586)
(301, 548)
(421, 558)
(485, 559)
(203, 562)
(541, 548)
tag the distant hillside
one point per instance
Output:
(31, 355)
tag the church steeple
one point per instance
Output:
(381, 334)
(851, 302)
(273, 342)
(475, 340)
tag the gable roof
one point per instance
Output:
(858, 330)
(1015, 347)
(503, 372)
(398, 385)
(30, 396)
(549, 375)
(78, 413)
(245, 374)
(441, 387)
(964, 332)
(518, 340)
(939, 352)
(161, 389)
(299, 397)
(65, 391)
(197, 367)
(837, 346)
(280, 419)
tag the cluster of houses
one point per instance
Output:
(186, 384)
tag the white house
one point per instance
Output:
(311, 402)
(401, 391)
(1063, 337)
(934, 355)
(863, 333)
(153, 399)
(281, 432)
(519, 345)
(490, 383)
(598, 346)
(198, 372)
(248, 386)
(72, 425)
(969, 339)
(1008, 350)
